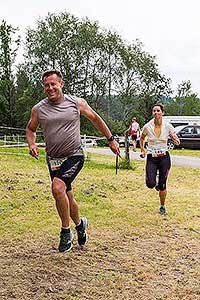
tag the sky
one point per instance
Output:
(168, 29)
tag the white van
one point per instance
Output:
(182, 120)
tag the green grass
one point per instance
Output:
(132, 250)
(186, 152)
(182, 152)
(26, 195)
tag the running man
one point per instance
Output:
(158, 158)
(59, 118)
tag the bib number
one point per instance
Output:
(158, 152)
(55, 163)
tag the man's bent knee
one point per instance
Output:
(58, 186)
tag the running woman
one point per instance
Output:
(158, 158)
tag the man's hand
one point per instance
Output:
(33, 150)
(114, 146)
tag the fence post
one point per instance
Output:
(84, 147)
(127, 157)
(4, 140)
(18, 140)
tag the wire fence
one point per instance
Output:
(11, 137)
(17, 140)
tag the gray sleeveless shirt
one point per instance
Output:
(60, 125)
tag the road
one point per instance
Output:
(184, 161)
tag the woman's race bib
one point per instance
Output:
(158, 152)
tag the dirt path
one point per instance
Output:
(112, 266)
(184, 161)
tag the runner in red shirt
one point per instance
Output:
(135, 132)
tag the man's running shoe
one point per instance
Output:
(162, 210)
(81, 231)
(66, 239)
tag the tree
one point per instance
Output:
(185, 102)
(97, 64)
(8, 50)
(28, 94)
(140, 81)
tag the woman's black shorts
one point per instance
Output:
(162, 166)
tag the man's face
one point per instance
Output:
(53, 88)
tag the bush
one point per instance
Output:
(125, 164)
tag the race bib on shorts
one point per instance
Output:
(158, 152)
(55, 163)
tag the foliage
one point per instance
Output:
(102, 143)
(185, 103)
(8, 49)
(28, 94)
(97, 65)
(118, 79)
(126, 165)
(141, 82)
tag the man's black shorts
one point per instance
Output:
(68, 170)
(134, 137)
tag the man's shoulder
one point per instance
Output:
(41, 103)
(71, 98)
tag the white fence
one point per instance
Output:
(14, 141)
(17, 140)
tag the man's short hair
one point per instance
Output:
(51, 72)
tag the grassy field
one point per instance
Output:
(186, 152)
(132, 252)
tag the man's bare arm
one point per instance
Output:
(98, 123)
(31, 133)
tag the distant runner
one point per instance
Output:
(158, 158)
(135, 132)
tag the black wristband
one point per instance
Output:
(111, 139)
